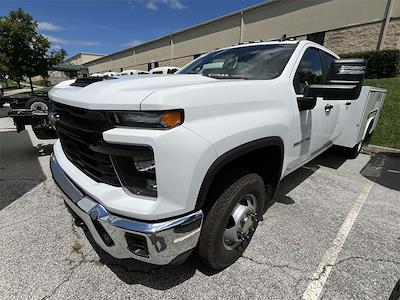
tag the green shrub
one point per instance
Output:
(381, 63)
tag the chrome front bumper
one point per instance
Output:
(156, 243)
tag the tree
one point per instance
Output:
(3, 73)
(24, 51)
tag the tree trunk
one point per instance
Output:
(30, 82)
(7, 83)
(19, 84)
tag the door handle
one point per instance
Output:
(328, 107)
(348, 103)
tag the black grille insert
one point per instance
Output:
(80, 132)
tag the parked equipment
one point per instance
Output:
(164, 70)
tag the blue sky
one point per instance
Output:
(106, 26)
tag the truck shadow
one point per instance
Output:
(332, 158)
(384, 168)
(134, 272)
(20, 170)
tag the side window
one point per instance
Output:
(327, 59)
(309, 70)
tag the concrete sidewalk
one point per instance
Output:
(334, 231)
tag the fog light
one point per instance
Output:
(145, 166)
(137, 173)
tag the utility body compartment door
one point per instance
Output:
(360, 116)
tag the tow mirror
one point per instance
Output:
(306, 103)
(344, 81)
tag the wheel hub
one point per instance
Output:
(39, 106)
(247, 224)
(241, 223)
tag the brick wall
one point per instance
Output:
(392, 39)
(357, 38)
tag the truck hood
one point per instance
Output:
(122, 93)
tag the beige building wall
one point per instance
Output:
(82, 58)
(296, 18)
(122, 59)
(349, 25)
(208, 37)
(152, 52)
(100, 65)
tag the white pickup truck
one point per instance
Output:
(157, 167)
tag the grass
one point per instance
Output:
(37, 82)
(387, 133)
(44, 90)
(12, 85)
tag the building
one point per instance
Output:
(82, 58)
(341, 25)
(71, 67)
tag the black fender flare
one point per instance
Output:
(231, 155)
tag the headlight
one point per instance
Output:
(148, 119)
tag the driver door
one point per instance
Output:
(312, 128)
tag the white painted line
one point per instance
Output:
(324, 269)
(394, 171)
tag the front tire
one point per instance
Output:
(229, 225)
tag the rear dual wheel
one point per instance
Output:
(230, 224)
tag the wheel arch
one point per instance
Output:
(368, 128)
(232, 157)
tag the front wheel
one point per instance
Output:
(229, 225)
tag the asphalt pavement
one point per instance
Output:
(333, 233)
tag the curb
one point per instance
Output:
(379, 149)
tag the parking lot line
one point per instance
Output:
(324, 269)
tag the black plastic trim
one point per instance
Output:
(231, 155)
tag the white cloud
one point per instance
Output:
(61, 41)
(48, 26)
(132, 43)
(155, 4)
(151, 5)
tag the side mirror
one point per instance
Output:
(333, 91)
(306, 103)
(344, 81)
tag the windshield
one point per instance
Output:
(251, 62)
